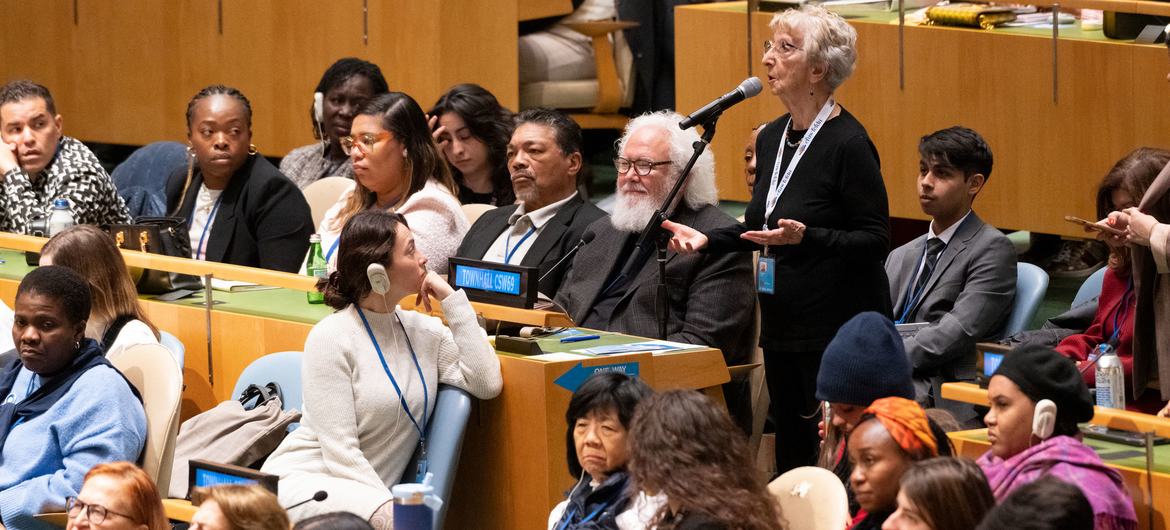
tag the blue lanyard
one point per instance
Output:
(1122, 310)
(508, 243)
(422, 437)
(569, 517)
(206, 227)
(912, 296)
(332, 249)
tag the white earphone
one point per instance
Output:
(1044, 419)
(379, 280)
(319, 113)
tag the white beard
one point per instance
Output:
(631, 213)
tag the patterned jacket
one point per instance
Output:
(73, 174)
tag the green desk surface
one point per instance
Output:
(280, 304)
(1112, 453)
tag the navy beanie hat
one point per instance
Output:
(865, 362)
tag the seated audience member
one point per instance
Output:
(239, 208)
(710, 295)
(960, 276)
(1113, 323)
(598, 421)
(344, 87)
(39, 164)
(65, 408)
(941, 494)
(544, 157)
(117, 496)
(749, 157)
(863, 363)
(472, 131)
(1047, 503)
(355, 439)
(1020, 455)
(685, 450)
(333, 521)
(398, 169)
(116, 320)
(237, 507)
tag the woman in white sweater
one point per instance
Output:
(398, 168)
(371, 371)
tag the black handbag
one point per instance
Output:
(166, 236)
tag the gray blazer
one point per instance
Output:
(712, 296)
(967, 299)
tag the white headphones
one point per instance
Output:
(1044, 419)
(379, 280)
(319, 113)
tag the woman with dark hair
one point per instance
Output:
(117, 496)
(1047, 503)
(237, 507)
(1034, 387)
(685, 449)
(941, 494)
(373, 370)
(239, 208)
(472, 131)
(333, 521)
(1113, 324)
(891, 435)
(115, 318)
(63, 407)
(398, 168)
(598, 421)
(344, 87)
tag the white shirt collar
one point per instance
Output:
(947, 234)
(541, 215)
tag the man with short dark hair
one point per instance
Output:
(38, 164)
(960, 277)
(544, 157)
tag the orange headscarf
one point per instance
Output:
(907, 424)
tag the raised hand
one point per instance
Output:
(787, 232)
(684, 239)
(432, 285)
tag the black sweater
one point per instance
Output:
(836, 271)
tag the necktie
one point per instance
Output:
(934, 247)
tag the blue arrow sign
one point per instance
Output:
(576, 375)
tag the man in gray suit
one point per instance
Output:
(960, 277)
(711, 296)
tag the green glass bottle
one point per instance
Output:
(317, 268)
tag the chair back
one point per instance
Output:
(1031, 284)
(811, 498)
(153, 371)
(323, 194)
(172, 343)
(445, 431)
(473, 211)
(142, 178)
(282, 368)
(1091, 288)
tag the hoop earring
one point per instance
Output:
(190, 151)
(252, 149)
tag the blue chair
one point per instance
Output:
(176, 347)
(1090, 289)
(445, 431)
(1031, 284)
(141, 179)
(282, 368)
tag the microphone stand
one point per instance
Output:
(655, 237)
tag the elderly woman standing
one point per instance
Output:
(818, 215)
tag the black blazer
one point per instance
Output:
(558, 237)
(263, 220)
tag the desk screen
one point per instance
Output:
(208, 477)
(495, 281)
(991, 362)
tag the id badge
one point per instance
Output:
(766, 275)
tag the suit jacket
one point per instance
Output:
(558, 237)
(967, 299)
(263, 220)
(711, 296)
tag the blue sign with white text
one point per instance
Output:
(487, 280)
(576, 375)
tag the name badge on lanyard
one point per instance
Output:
(779, 184)
(766, 274)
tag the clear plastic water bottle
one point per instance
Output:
(317, 267)
(1110, 380)
(61, 217)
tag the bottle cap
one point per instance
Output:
(315, 238)
(60, 203)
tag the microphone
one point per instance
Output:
(586, 238)
(750, 87)
(318, 497)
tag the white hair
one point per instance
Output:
(700, 190)
(828, 39)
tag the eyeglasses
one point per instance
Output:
(783, 49)
(363, 142)
(95, 513)
(642, 167)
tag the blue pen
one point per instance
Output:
(579, 338)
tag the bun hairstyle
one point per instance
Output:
(368, 237)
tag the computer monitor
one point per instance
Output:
(988, 355)
(204, 473)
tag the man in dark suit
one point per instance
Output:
(959, 277)
(711, 296)
(544, 157)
